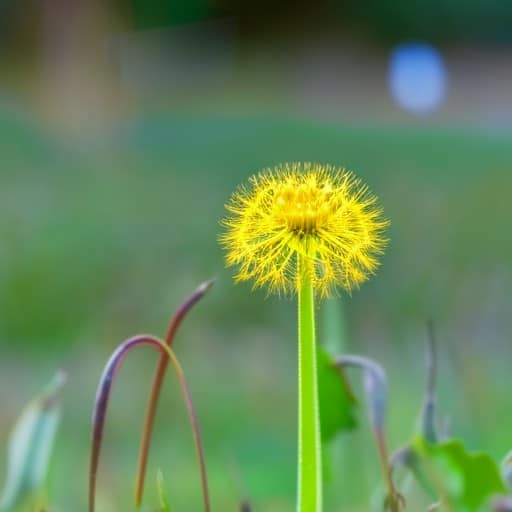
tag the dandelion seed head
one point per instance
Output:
(318, 214)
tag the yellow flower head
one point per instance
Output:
(319, 215)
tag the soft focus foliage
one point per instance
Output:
(336, 399)
(124, 127)
(464, 481)
(30, 448)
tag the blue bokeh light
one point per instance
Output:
(417, 77)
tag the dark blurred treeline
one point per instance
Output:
(380, 21)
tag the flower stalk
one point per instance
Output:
(309, 450)
(307, 229)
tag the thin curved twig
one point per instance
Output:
(102, 399)
(158, 378)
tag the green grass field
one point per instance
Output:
(103, 236)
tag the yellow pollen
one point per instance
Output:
(303, 209)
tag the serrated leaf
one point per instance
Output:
(30, 447)
(336, 400)
(467, 480)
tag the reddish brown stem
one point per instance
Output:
(101, 404)
(395, 500)
(158, 378)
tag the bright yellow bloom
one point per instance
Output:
(318, 214)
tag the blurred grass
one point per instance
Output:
(103, 221)
(102, 236)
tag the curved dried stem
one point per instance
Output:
(101, 404)
(156, 387)
(376, 388)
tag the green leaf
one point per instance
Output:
(336, 400)
(30, 447)
(465, 480)
(162, 495)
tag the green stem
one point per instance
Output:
(309, 453)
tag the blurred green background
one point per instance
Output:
(125, 126)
